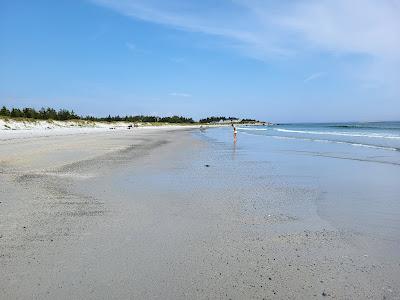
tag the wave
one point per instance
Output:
(348, 158)
(363, 127)
(341, 142)
(369, 135)
(334, 141)
(252, 128)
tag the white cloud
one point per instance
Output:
(267, 30)
(314, 76)
(177, 60)
(218, 20)
(369, 27)
(134, 48)
(177, 94)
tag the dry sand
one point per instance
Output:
(137, 215)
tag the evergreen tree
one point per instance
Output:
(64, 114)
(51, 114)
(42, 114)
(30, 113)
(4, 112)
(16, 113)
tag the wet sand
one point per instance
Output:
(138, 214)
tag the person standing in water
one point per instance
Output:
(234, 132)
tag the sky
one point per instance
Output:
(279, 61)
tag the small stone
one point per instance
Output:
(207, 166)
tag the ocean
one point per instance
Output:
(380, 135)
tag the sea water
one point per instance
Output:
(354, 166)
(379, 135)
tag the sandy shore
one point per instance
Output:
(138, 214)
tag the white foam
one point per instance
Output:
(252, 129)
(369, 135)
(328, 141)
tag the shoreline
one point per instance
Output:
(8, 135)
(13, 128)
(138, 214)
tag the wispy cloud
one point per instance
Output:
(177, 60)
(178, 94)
(197, 16)
(134, 48)
(268, 30)
(313, 76)
(369, 27)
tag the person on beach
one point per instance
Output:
(234, 132)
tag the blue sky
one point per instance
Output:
(284, 61)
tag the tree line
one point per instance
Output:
(65, 114)
(142, 118)
(217, 119)
(42, 114)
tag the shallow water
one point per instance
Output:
(357, 187)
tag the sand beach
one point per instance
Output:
(169, 213)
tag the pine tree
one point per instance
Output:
(4, 112)
(16, 113)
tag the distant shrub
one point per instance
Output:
(217, 119)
